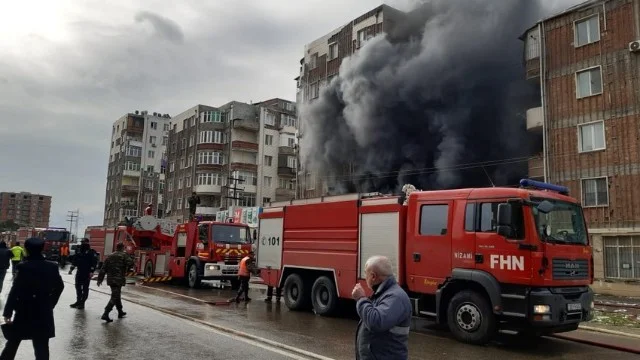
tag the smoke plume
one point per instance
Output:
(428, 103)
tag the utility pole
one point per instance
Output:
(72, 217)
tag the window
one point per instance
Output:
(165, 140)
(182, 163)
(193, 121)
(247, 199)
(589, 82)
(434, 219)
(166, 127)
(148, 184)
(170, 186)
(333, 51)
(188, 181)
(268, 139)
(152, 139)
(287, 184)
(591, 136)
(268, 160)
(179, 204)
(266, 200)
(172, 166)
(150, 168)
(192, 140)
(470, 218)
(247, 177)
(183, 144)
(151, 154)
(291, 142)
(211, 116)
(209, 179)
(313, 63)
(211, 137)
(270, 118)
(169, 203)
(148, 198)
(489, 219)
(315, 90)
(190, 161)
(210, 158)
(622, 257)
(161, 185)
(291, 162)
(587, 31)
(154, 125)
(134, 151)
(267, 181)
(179, 184)
(185, 123)
(595, 192)
(131, 166)
(288, 120)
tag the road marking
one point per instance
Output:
(287, 350)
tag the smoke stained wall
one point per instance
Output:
(429, 102)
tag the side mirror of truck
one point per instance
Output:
(504, 220)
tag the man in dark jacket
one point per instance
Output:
(194, 201)
(86, 262)
(385, 317)
(34, 294)
(115, 267)
(5, 260)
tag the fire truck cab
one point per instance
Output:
(477, 260)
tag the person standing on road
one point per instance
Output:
(385, 317)
(18, 255)
(5, 260)
(86, 262)
(115, 267)
(34, 294)
(245, 270)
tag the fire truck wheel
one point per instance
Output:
(296, 296)
(193, 277)
(148, 269)
(470, 318)
(324, 296)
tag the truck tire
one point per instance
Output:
(148, 269)
(295, 294)
(324, 296)
(470, 318)
(193, 278)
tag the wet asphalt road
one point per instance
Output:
(143, 334)
(334, 337)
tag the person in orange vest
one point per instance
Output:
(245, 270)
(64, 254)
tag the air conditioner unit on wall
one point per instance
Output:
(634, 46)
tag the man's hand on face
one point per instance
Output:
(358, 292)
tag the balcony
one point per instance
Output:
(250, 125)
(286, 150)
(286, 171)
(131, 173)
(244, 146)
(535, 119)
(206, 210)
(129, 188)
(285, 194)
(536, 167)
(207, 189)
(243, 166)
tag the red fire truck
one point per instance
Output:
(193, 251)
(478, 260)
(54, 238)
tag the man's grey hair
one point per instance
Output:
(380, 265)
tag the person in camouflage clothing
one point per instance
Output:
(115, 267)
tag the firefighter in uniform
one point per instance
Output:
(115, 267)
(245, 270)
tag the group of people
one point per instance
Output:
(37, 287)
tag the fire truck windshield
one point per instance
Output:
(49, 235)
(564, 224)
(226, 234)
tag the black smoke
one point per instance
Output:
(438, 102)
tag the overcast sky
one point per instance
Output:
(69, 69)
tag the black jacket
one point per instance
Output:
(85, 261)
(35, 292)
(5, 258)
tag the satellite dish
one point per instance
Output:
(147, 223)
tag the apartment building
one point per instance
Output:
(321, 63)
(587, 63)
(137, 165)
(238, 154)
(25, 209)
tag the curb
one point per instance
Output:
(607, 331)
(617, 305)
(598, 344)
(224, 329)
